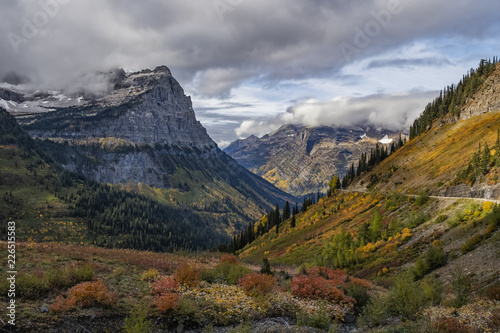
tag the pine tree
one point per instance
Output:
(286, 211)
(292, 223)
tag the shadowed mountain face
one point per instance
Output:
(301, 160)
(141, 132)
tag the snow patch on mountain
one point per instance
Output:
(385, 140)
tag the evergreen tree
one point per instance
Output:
(286, 212)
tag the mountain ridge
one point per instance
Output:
(301, 159)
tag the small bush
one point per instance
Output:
(225, 272)
(320, 319)
(231, 259)
(337, 276)
(432, 289)
(417, 219)
(191, 311)
(471, 243)
(87, 294)
(256, 284)
(405, 298)
(357, 292)
(375, 313)
(62, 304)
(150, 275)
(312, 287)
(29, 286)
(441, 218)
(80, 273)
(56, 279)
(137, 321)
(166, 302)
(421, 200)
(451, 325)
(187, 275)
(164, 284)
(461, 287)
(266, 267)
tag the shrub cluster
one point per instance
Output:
(83, 295)
(321, 283)
(32, 286)
(256, 284)
(187, 275)
(165, 292)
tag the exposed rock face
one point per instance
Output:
(148, 107)
(486, 100)
(143, 130)
(476, 191)
(301, 160)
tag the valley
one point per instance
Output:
(114, 216)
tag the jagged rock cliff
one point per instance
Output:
(486, 100)
(301, 160)
(147, 107)
(141, 131)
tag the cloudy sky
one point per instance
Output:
(253, 65)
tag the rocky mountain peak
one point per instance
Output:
(145, 107)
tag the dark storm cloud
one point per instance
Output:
(214, 50)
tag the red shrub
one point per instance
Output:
(318, 288)
(187, 275)
(360, 282)
(257, 284)
(164, 284)
(337, 276)
(229, 259)
(166, 302)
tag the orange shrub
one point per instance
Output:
(88, 294)
(166, 302)
(164, 284)
(187, 275)
(62, 304)
(313, 287)
(229, 259)
(257, 284)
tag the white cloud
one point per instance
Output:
(256, 127)
(395, 111)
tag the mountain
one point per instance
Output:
(139, 132)
(430, 208)
(300, 159)
(447, 146)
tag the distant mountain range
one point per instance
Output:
(300, 159)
